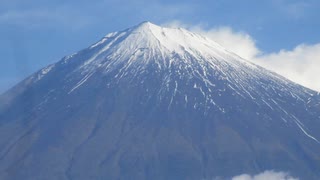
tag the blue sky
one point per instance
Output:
(35, 33)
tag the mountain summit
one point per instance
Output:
(157, 103)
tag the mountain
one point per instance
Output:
(157, 103)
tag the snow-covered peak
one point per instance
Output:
(145, 25)
(177, 40)
(154, 42)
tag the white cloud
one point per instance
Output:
(267, 175)
(301, 64)
(237, 42)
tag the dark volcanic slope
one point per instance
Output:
(157, 103)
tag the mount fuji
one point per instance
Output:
(157, 103)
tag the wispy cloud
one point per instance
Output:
(267, 175)
(301, 64)
(85, 13)
(292, 9)
(238, 42)
(43, 17)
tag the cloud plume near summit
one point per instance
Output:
(300, 64)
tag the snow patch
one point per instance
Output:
(83, 80)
